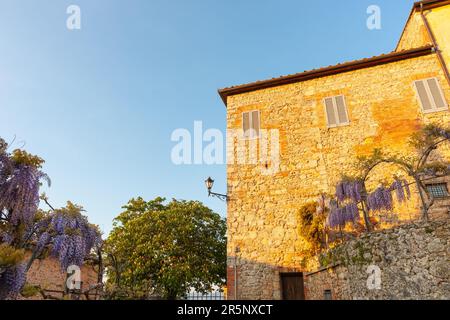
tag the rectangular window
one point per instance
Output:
(430, 95)
(438, 190)
(251, 124)
(336, 111)
(327, 295)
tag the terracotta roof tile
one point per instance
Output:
(340, 67)
(325, 71)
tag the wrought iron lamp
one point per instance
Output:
(209, 184)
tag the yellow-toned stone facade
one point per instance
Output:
(383, 111)
(439, 20)
(415, 34)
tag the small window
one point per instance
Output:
(336, 111)
(430, 95)
(251, 124)
(438, 190)
(327, 295)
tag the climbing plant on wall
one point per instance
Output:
(64, 233)
(311, 227)
(417, 165)
(352, 196)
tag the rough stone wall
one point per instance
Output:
(47, 273)
(415, 34)
(331, 278)
(414, 261)
(383, 112)
(439, 19)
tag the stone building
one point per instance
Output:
(322, 120)
(412, 262)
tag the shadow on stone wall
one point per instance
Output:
(252, 280)
(407, 262)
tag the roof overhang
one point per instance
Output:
(430, 4)
(422, 5)
(327, 71)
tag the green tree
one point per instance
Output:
(159, 249)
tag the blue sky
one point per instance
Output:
(99, 104)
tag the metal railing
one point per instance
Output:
(215, 295)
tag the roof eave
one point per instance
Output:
(430, 4)
(427, 5)
(327, 71)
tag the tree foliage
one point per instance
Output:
(311, 226)
(64, 233)
(165, 249)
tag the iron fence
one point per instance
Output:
(215, 295)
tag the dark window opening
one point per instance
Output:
(327, 295)
(438, 190)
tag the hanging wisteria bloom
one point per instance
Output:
(64, 233)
(402, 191)
(349, 190)
(19, 188)
(12, 280)
(339, 216)
(20, 179)
(21, 191)
(380, 199)
(73, 237)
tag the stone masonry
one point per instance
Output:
(414, 263)
(383, 111)
(47, 274)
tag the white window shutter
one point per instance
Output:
(341, 110)
(329, 108)
(255, 124)
(430, 95)
(436, 93)
(425, 101)
(246, 124)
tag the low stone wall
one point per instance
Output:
(412, 262)
(47, 274)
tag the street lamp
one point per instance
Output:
(209, 184)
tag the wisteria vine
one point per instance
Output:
(70, 236)
(348, 192)
(348, 189)
(402, 190)
(339, 216)
(380, 199)
(64, 233)
(12, 280)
